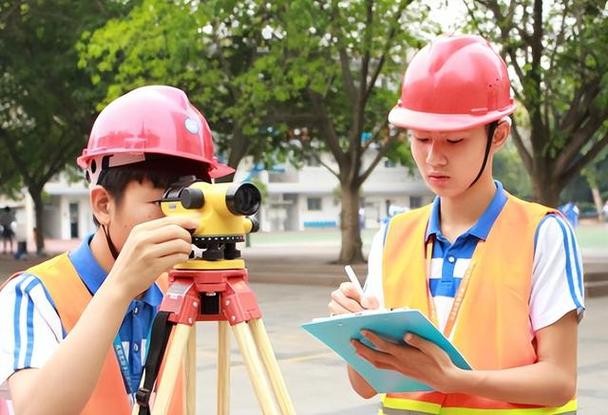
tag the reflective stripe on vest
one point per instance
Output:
(398, 407)
(71, 297)
(493, 301)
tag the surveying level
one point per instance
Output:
(210, 286)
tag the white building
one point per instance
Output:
(309, 197)
(297, 199)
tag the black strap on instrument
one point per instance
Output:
(159, 337)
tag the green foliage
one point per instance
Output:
(277, 80)
(10, 181)
(46, 102)
(45, 99)
(214, 51)
(328, 53)
(400, 152)
(509, 169)
(558, 57)
(250, 66)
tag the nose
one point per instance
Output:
(435, 155)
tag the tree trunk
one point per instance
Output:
(239, 146)
(351, 250)
(39, 228)
(597, 200)
(546, 189)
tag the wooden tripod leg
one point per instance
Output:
(223, 368)
(191, 374)
(255, 369)
(260, 335)
(174, 356)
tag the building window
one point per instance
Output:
(313, 203)
(415, 202)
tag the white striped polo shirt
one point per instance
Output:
(31, 330)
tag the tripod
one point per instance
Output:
(216, 290)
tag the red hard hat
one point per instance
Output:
(453, 83)
(155, 119)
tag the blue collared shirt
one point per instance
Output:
(136, 325)
(449, 253)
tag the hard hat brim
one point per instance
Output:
(220, 170)
(425, 121)
(212, 167)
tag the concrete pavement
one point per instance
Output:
(316, 378)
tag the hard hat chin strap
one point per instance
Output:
(491, 129)
(111, 245)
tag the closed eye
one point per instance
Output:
(455, 141)
(422, 139)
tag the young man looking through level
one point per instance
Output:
(74, 329)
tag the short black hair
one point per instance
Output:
(160, 171)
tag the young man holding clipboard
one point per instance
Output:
(501, 277)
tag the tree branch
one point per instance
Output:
(367, 42)
(7, 14)
(347, 77)
(579, 138)
(327, 166)
(20, 165)
(560, 36)
(381, 154)
(375, 135)
(225, 67)
(521, 149)
(290, 118)
(358, 108)
(576, 167)
(580, 105)
(327, 128)
(387, 45)
(474, 20)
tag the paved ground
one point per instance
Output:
(300, 282)
(316, 379)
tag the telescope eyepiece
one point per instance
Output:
(192, 198)
(243, 199)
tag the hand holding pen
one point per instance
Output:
(350, 297)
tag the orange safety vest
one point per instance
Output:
(490, 319)
(71, 297)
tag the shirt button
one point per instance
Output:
(135, 347)
(136, 310)
(451, 259)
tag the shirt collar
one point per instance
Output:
(93, 275)
(481, 229)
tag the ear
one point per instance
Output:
(101, 204)
(501, 134)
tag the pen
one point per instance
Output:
(353, 278)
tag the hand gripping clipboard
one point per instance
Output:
(337, 331)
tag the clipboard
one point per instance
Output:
(337, 331)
